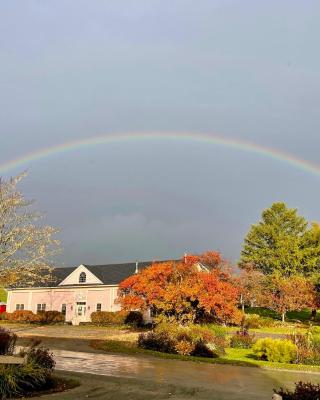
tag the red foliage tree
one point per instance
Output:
(181, 290)
(283, 294)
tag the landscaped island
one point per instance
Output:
(27, 372)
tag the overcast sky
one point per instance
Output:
(76, 69)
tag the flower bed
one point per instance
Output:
(191, 340)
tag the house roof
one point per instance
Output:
(113, 274)
(108, 274)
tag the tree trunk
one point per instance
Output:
(313, 314)
(242, 303)
(283, 317)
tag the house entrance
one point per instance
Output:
(81, 309)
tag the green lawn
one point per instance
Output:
(247, 357)
(303, 316)
(240, 357)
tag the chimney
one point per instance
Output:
(137, 268)
(185, 257)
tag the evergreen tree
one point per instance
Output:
(281, 242)
(311, 249)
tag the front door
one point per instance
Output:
(81, 309)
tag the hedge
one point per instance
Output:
(26, 316)
(103, 318)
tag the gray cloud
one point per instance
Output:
(244, 69)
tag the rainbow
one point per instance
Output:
(211, 139)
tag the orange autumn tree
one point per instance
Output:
(182, 291)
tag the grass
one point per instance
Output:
(247, 356)
(303, 316)
(238, 357)
(296, 321)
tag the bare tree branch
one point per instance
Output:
(26, 245)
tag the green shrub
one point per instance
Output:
(19, 380)
(275, 350)
(9, 381)
(303, 391)
(316, 342)
(315, 330)
(7, 341)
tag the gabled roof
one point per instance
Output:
(59, 274)
(108, 274)
(113, 274)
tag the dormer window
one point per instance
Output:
(82, 277)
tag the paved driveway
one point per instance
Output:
(118, 377)
(70, 331)
(88, 332)
(222, 381)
